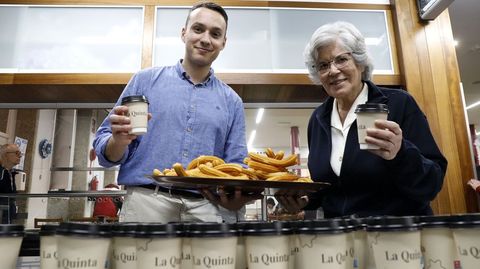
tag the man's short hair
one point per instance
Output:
(211, 6)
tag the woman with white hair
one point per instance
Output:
(399, 178)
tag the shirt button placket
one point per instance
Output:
(188, 128)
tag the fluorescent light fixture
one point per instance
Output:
(430, 9)
(259, 115)
(473, 105)
(251, 138)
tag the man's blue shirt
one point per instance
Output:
(188, 120)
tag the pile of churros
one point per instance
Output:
(270, 167)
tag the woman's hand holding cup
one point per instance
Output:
(387, 136)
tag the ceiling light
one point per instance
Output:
(259, 115)
(473, 105)
(251, 138)
(455, 43)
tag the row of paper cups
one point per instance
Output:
(371, 243)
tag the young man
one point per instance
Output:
(192, 114)
(10, 156)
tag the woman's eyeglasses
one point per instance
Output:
(340, 61)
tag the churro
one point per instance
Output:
(179, 170)
(204, 159)
(272, 167)
(289, 161)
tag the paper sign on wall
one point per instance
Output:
(22, 145)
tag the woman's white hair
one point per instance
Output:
(348, 36)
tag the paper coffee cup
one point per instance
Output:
(124, 246)
(267, 244)
(187, 262)
(159, 245)
(214, 245)
(466, 234)
(240, 258)
(395, 242)
(137, 112)
(294, 244)
(360, 243)
(325, 244)
(366, 116)
(438, 246)
(11, 236)
(83, 245)
(187, 248)
(294, 250)
(48, 246)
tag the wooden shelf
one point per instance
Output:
(64, 78)
(122, 79)
(106, 88)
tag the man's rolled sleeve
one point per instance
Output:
(100, 145)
